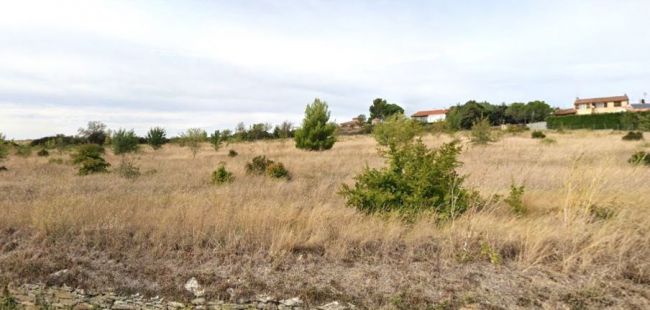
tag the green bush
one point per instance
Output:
(640, 158)
(537, 135)
(515, 201)
(396, 131)
(89, 157)
(156, 137)
(316, 132)
(124, 141)
(8, 301)
(633, 136)
(481, 132)
(43, 153)
(416, 179)
(128, 170)
(278, 171)
(232, 153)
(618, 121)
(258, 165)
(192, 138)
(23, 150)
(516, 128)
(221, 175)
(216, 140)
(4, 147)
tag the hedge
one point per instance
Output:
(618, 121)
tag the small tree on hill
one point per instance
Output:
(481, 132)
(4, 148)
(124, 141)
(95, 132)
(316, 132)
(192, 138)
(381, 109)
(216, 139)
(156, 137)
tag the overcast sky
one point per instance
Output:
(212, 64)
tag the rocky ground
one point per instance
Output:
(40, 297)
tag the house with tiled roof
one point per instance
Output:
(601, 105)
(430, 116)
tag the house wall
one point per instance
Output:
(436, 118)
(601, 107)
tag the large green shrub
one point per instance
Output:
(481, 132)
(124, 141)
(618, 121)
(156, 137)
(396, 131)
(316, 132)
(258, 165)
(89, 158)
(416, 179)
(216, 140)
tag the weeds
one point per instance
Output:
(128, 170)
(515, 199)
(221, 175)
(537, 135)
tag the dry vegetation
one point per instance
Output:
(584, 242)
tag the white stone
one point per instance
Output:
(193, 286)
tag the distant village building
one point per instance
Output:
(602, 105)
(430, 116)
(641, 106)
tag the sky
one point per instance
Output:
(213, 64)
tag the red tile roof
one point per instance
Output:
(430, 112)
(601, 99)
(564, 111)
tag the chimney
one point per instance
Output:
(643, 101)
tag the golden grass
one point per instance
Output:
(177, 210)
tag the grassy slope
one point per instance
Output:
(260, 235)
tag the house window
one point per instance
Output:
(600, 105)
(617, 104)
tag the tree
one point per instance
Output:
(464, 116)
(481, 132)
(156, 137)
(396, 131)
(4, 147)
(316, 132)
(518, 112)
(216, 139)
(283, 131)
(95, 132)
(538, 111)
(192, 138)
(362, 118)
(124, 141)
(381, 109)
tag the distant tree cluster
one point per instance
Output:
(465, 115)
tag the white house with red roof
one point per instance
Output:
(430, 116)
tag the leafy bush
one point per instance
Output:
(633, 136)
(396, 131)
(278, 171)
(515, 201)
(23, 150)
(156, 137)
(258, 165)
(537, 135)
(221, 175)
(8, 301)
(316, 132)
(192, 138)
(416, 179)
(481, 132)
(43, 153)
(216, 139)
(89, 157)
(128, 170)
(4, 147)
(640, 158)
(94, 133)
(124, 141)
(232, 153)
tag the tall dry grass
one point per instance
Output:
(174, 210)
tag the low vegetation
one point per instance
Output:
(124, 141)
(156, 137)
(481, 132)
(633, 136)
(640, 158)
(90, 159)
(537, 135)
(221, 175)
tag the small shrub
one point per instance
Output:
(278, 171)
(23, 150)
(515, 201)
(192, 138)
(537, 135)
(633, 136)
(8, 301)
(124, 141)
(397, 131)
(481, 132)
(4, 147)
(216, 139)
(43, 153)
(128, 170)
(156, 137)
(487, 251)
(58, 161)
(601, 213)
(258, 165)
(89, 157)
(640, 158)
(232, 153)
(221, 175)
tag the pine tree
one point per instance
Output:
(316, 132)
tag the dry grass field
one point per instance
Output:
(584, 243)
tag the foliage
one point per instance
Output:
(94, 133)
(381, 109)
(516, 128)
(416, 179)
(533, 111)
(633, 136)
(316, 132)
(258, 165)
(278, 171)
(124, 141)
(640, 158)
(537, 135)
(192, 138)
(128, 170)
(89, 157)
(7, 301)
(221, 175)
(4, 147)
(491, 254)
(464, 116)
(156, 137)
(481, 132)
(618, 121)
(396, 131)
(515, 201)
(43, 152)
(283, 131)
(232, 153)
(23, 150)
(58, 141)
(215, 140)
